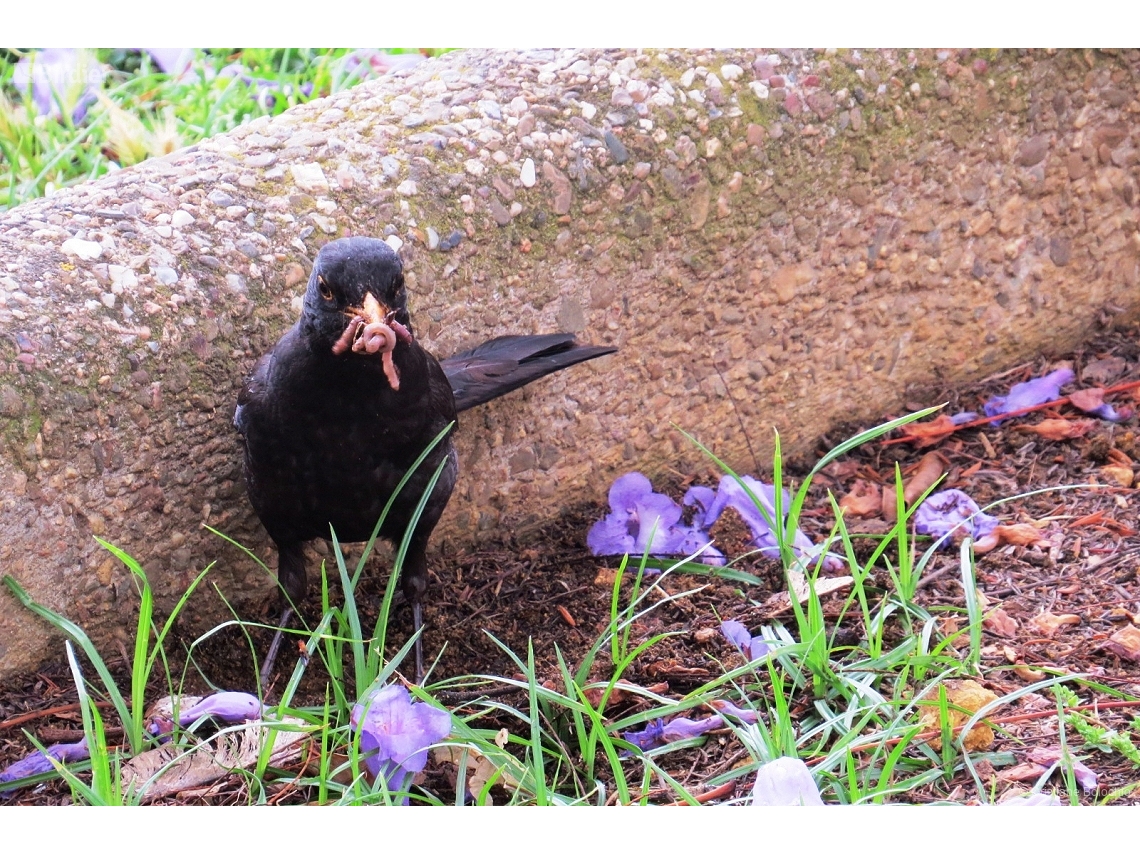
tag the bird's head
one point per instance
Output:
(346, 274)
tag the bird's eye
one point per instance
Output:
(326, 291)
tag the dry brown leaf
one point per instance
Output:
(1029, 675)
(966, 695)
(1125, 643)
(605, 578)
(480, 768)
(888, 504)
(1122, 475)
(1115, 455)
(781, 602)
(929, 470)
(1021, 772)
(1059, 429)
(862, 501)
(1021, 534)
(1087, 399)
(171, 769)
(1000, 623)
(1049, 624)
(929, 433)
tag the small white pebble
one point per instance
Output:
(181, 218)
(407, 188)
(527, 176)
(84, 249)
(474, 167)
(589, 111)
(731, 71)
(394, 242)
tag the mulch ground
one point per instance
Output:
(1070, 603)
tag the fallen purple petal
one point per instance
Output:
(396, 732)
(1110, 414)
(733, 492)
(700, 498)
(1086, 777)
(728, 708)
(657, 733)
(753, 647)
(1030, 393)
(230, 707)
(687, 728)
(38, 762)
(650, 737)
(962, 418)
(952, 511)
(643, 521)
(785, 782)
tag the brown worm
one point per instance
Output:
(402, 332)
(343, 343)
(375, 338)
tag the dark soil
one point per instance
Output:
(481, 604)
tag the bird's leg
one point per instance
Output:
(413, 581)
(292, 582)
(417, 625)
(271, 655)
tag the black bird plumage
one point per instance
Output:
(326, 437)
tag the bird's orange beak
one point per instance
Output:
(373, 311)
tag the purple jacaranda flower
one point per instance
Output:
(753, 647)
(37, 762)
(950, 510)
(643, 521)
(657, 733)
(396, 732)
(651, 737)
(1111, 414)
(1030, 393)
(230, 707)
(61, 80)
(681, 728)
(963, 417)
(785, 782)
(641, 518)
(733, 492)
(728, 708)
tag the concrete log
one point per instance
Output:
(794, 237)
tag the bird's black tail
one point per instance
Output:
(506, 363)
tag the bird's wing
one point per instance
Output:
(506, 363)
(253, 390)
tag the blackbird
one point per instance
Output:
(335, 415)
